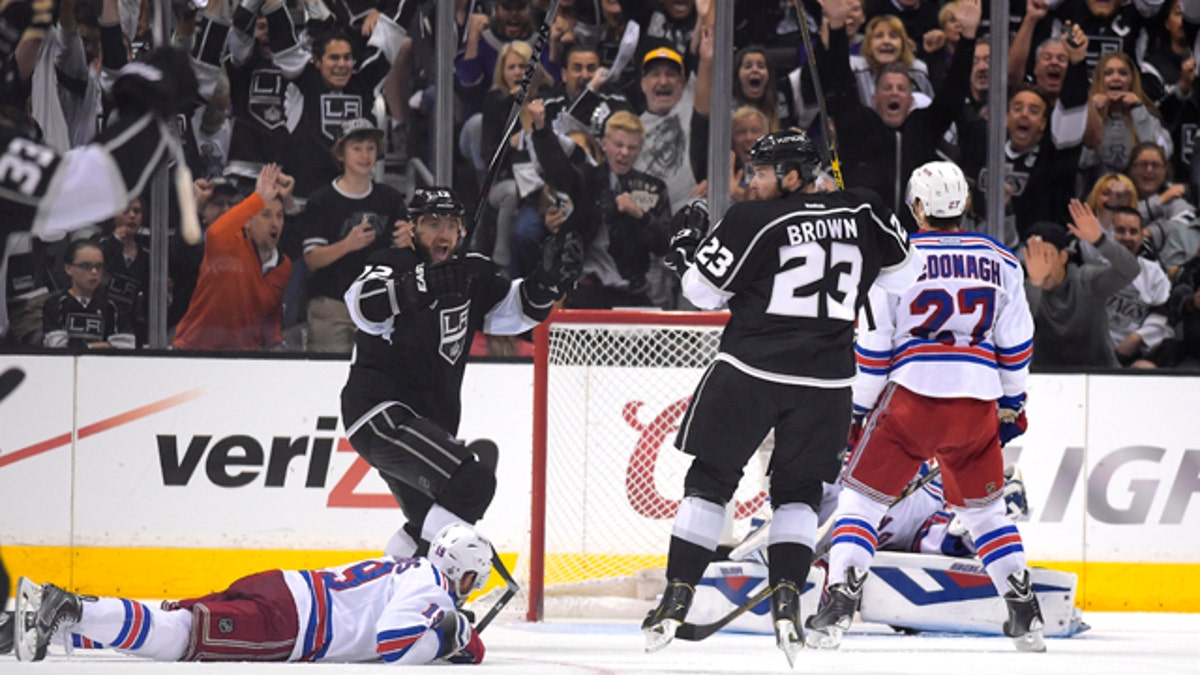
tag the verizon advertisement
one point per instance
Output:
(246, 454)
(199, 453)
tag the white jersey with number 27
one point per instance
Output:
(963, 330)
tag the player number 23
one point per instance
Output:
(715, 257)
(801, 290)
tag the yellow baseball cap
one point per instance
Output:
(665, 54)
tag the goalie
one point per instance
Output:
(417, 305)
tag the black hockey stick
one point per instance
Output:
(829, 152)
(510, 591)
(514, 116)
(695, 632)
(10, 380)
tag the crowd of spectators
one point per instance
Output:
(302, 100)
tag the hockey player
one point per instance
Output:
(417, 310)
(51, 194)
(402, 610)
(793, 267)
(941, 374)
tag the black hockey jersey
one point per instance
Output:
(417, 357)
(794, 272)
(69, 322)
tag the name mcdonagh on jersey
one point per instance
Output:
(961, 266)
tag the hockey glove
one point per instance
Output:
(858, 420)
(460, 640)
(690, 225)
(1011, 410)
(426, 283)
(162, 82)
(560, 266)
(1016, 506)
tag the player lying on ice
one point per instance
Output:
(400, 610)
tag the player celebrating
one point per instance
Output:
(942, 374)
(402, 610)
(417, 310)
(52, 194)
(793, 267)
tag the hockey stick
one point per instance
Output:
(189, 219)
(10, 380)
(829, 152)
(509, 592)
(514, 115)
(695, 632)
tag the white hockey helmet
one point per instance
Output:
(459, 549)
(941, 187)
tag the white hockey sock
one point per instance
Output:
(699, 522)
(854, 536)
(997, 541)
(794, 524)
(401, 545)
(136, 628)
(437, 518)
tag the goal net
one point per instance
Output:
(610, 389)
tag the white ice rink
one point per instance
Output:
(1161, 644)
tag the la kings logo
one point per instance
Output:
(266, 97)
(454, 322)
(337, 108)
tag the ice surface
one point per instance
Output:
(1161, 644)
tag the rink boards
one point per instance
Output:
(163, 476)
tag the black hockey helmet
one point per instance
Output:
(435, 201)
(787, 150)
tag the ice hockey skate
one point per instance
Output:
(833, 619)
(40, 611)
(785, 612)
(1024, 623)
(7, 630)
(663, 620)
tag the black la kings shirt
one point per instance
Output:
(795, 271)
(330, 215)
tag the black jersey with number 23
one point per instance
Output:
(795, 271)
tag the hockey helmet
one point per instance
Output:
(434, 201)
(941, 187)
(786, 150)
(459, 549)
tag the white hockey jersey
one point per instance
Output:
(1130, 310)
(381, 608)
(962, 330)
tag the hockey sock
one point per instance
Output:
(854, 536)
(793, 536)
(401, 545)
(997, 541)
(435, 520)
(135, 628)
(694, 538)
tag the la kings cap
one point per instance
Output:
(357, 126)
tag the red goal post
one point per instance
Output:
(610, 388)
